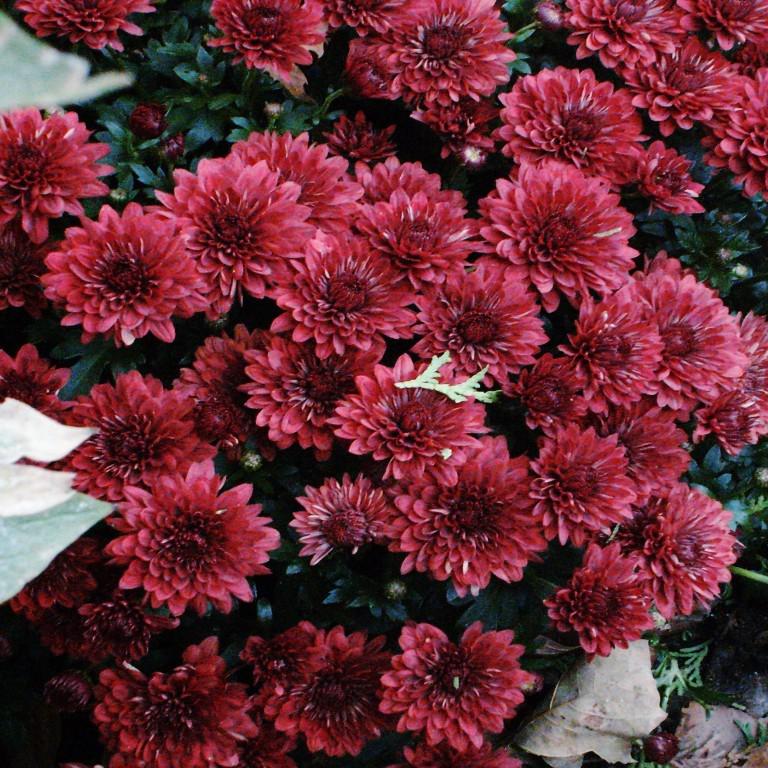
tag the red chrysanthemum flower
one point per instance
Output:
(366, 73)
(567, 115)
(268, 749)
(652, 442)
(730, 21)
(605, 602)
(424, 239)
(144, 432)
(66, 582)
(734, 419)
(617, 348)
(46, 167)
(191, 716)
(686, 546)
(68, 692)
(238, 222)
(478, 527)
(483, 320)
(580, 486)
(702, 356)
(364, 16)
(565, 231)
(664, 178)
(443, 50)
(623, 32)
(214, 382)
(345, 296)
(461, 125)
(340, 515)
(336, 708)
(95, 23)
(551, 393)
(454, 692)
(123, 276)
(325, 186)
(414, 430)
(754, 338)
(32, 380)
(187, 545)
(443, 756)
(119, 627)
(274, 35)
(280, 663)
(751, 57)
(295, 392)
(21, 264)
(741, 137)
(359, 139)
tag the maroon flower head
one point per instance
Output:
(364, 16)
(754, 338)
(443, 756)
(32, 380)
(730, 22)
(21, 264)
(147, 121)
(734, 419)
(268, 749)
(463, 125)
(663, 178)
(359, 139)
(366, 73)
(454, 692)
(751, 57)
(68, 692)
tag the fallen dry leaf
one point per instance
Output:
(598, 707)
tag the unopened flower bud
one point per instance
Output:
(395, 589)
(550, 15)
(147, 121)
(473, 158)
(535, 686)
(118, 195)
(660, 747)
(740, 271)
(173, 147)
(761, 477)
(68, 692)
(251, 461)
(273, 108)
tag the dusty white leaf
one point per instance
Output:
(27, 433)
(26, 489)
(598, 707)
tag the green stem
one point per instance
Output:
(523, 30)
(747, 574)
(326, 105)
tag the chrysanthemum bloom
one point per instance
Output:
(21, 264)
(679, 89)
(442, 50)
(187, 545)
(214, 382)
(734, 419)
(340, 515)
(324, 184)
(364, 16)
(454, 692)
(551, 393)
(605, 602)
(730, 21)
(190, 716)
(238, 223)
(366, 73)
(345, 296)
(295, 392)
(617, 348)
(461, 125)
(95, 23)
(652, 442)
(686, 547)
(359, 139)
(119, 627)
(741, 138)
(46, 167)
(483, 320)
(414, 430)
(280, 663)
(471, 530)
(754, 338)
(567, 115)
(68, 692)
(702, 355)
(274, 35)
(337, 708)
(123, 276)
(268, 749)
(623, 32)
(144, 432)
(565, 231)
(443, 756)
(32, 380)
(66, 582)
(664, 178)
(580, 485)
(751, 57)
(425, 240)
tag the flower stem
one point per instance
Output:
(527, 28)
(747, 574)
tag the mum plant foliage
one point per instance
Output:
(424, 353)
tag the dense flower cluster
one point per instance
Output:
(329, 369)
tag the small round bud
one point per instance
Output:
(535, 686)
(6, 647)
(173, 147)
(395, 589)
(550, 15)
(118, 195)
(273, 108)
(147, 121)
(68, 692)
(473, 158)
(761, 477)
(660, 747)
(724, 255)
(740, 271)
(251, 461)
